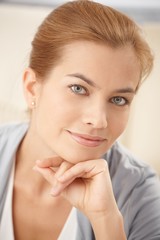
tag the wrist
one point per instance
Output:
(108, 226)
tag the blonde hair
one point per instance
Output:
(90, 21)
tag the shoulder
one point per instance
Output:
(12, 128)
(10, 137)
(124, 163)
(136, 188)
(129, 172)
(11, 134)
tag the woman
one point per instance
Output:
(63, 174)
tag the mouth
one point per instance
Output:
(86, 140)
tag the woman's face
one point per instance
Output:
(84, 104)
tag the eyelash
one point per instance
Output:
(79, 86)
(71, 86)
(122, 98)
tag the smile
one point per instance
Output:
(86, 140)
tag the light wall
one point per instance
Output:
(17, 27)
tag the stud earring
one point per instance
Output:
(33, 103)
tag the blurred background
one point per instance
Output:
(18, 23)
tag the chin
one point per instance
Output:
(80, 156)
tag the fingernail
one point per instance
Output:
(61, 178)
(38, 161)
(54, 188)
(54, 191)
(35, 168)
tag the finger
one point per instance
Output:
(62, 185)
(84, 169)
(58, 188)
(47, 173)
(54, 161)
(71, 174)
(63, 168)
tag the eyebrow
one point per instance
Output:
(126, 90)
(84, 78)
(93, 84)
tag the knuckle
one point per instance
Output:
(104, 163)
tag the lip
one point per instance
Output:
(86, 140)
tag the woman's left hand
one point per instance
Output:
(86, 185)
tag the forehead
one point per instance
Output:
(93, 58)
(82, 51)
(107, 67)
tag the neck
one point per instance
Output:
(30, 150)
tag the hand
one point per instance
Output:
(86, 185)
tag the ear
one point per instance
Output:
(31, 87)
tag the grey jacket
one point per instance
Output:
(136, 187)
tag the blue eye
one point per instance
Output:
(119, 101)
(78, 89)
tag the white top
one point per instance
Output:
(6, 230)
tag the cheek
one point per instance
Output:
(55, 112)
(118, 123)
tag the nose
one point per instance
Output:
(96, 116)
